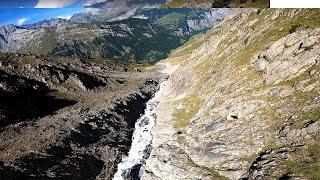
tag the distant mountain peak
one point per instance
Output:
(46, 23)
(9, 29)
(144, 34)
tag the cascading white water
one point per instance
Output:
(141, 139)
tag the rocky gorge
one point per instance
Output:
(88, 111)
(240, 101)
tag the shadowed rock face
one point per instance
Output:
(63, 118)
(31, 104)
(26, 100)
(35, 166)
(62, 162)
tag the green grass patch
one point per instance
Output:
(171, 21)
(308, 170)
(183, 116)
(306, 118)
(302, 77)
(255, 4)
(203, 169)
(314, 150)
(176, 4)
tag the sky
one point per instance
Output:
(49, 3)
(41, 3)
(20, 16)
(19, 12)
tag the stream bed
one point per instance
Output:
(129, 167)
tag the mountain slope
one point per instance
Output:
(127, 39)
(64, 118)
(219, 3)
(184, 20)
(46, 23)
(123, 6)
(242, 101)
(148, 36)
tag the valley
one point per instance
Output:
(163, 94)
(147, 36)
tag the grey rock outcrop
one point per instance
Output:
(54, 22)
(207, 20)
(282, 60)
(243, 101)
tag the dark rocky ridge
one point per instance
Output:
(23, 98)
(83, 139)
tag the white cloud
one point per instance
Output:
(64, 17)
(95, 11)
(22, 21)
(54, 3)
(89, 3)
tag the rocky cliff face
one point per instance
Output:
(14, 37)
(46, 23)
(206, 20)
(242, 101)
(186, 20)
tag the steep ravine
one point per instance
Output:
(145, 135)
(242, 101)
(141, 145)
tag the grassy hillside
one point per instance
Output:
(246, 93)
(172, 21)
(132, 39)
(142, 42)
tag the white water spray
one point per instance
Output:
(142, 138)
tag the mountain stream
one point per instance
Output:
(141, 140)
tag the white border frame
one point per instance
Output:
(295, 3)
